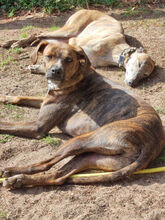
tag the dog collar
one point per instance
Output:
(65, 88)
(126, 53)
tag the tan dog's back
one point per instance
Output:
(102, 39)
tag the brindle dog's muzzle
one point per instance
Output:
(55, 73)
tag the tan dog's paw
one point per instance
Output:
(14, 181)
(17, 44)
(25, 42)
(8, 43)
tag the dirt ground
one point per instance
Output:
(139, 197)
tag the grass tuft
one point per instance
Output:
(51, 140)
(4, 138)
(54, 28)
(160, 110)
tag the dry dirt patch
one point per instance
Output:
(141, 196)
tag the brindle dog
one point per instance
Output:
(112, 129)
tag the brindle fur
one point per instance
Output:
(112, 130)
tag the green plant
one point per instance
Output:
(27, 28)
(143, 86)
(25, 31)
(3, 215)
(15, 112)
(11, 13)
(130, 11)
(11, 6)
(17, 116)
(5, 62)
(53, 28)
(4, 138)
(24, 35)
(16, 50)
(51, 140)
(145, 27)
(11, 107)
(160, 110)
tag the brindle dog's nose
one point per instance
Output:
(55, 73)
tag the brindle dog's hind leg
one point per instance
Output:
(76, 146)
(110, 140)
(111, 146)
(122, 166)
(75, 165)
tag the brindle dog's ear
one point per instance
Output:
(40, 48)
(82, 56)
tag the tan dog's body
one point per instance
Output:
(102, 39)
(100, 36)
(111, 129)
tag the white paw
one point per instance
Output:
(14, 181)
(16, 44)
(33, 68)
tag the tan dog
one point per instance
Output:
(102, 39)
(112, 130)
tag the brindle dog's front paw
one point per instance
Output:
(33, 68)
(14, 181)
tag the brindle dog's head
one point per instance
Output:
(138, 66)
(63, 63)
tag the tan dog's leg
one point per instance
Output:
(8, 43)
(75, 24)
(19, 43)
(63, 34)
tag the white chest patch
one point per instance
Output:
(52, 85)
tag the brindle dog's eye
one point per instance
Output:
(68, 59)
(49, 57)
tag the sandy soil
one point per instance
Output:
(139, 197)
